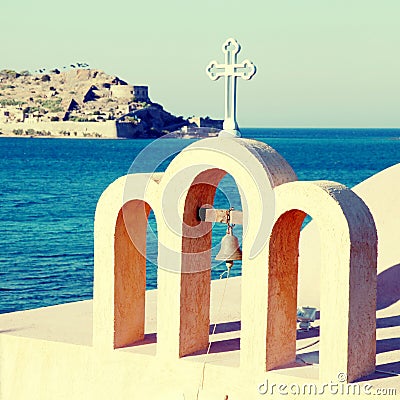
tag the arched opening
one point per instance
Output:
(134, 271)
(207, 326)
(225, 318)
(348, 244)
(282, 289)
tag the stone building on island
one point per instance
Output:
(130, 92)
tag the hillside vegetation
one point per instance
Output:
(76, 95)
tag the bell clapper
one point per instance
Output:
(229, 229)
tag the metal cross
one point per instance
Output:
(231, 70)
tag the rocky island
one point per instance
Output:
(83, 102)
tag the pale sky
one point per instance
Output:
(320, 63)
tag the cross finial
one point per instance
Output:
(231, 70)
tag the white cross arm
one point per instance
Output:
(245, 70)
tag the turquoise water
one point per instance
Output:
(50, 187)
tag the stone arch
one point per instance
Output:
(348, 278)
(120, 260)
(190, 182)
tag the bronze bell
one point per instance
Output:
(230, 249)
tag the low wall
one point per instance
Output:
(104, 129)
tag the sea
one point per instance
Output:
(50, 188)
